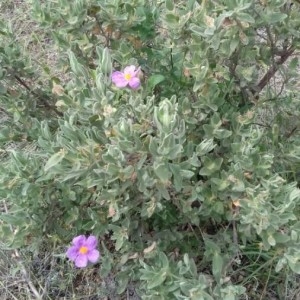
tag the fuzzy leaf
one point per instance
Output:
(55, 159)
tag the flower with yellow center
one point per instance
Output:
(129, 77)
(83, 251)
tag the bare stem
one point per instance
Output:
(24, 84)
(274, 68)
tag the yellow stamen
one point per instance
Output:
(83, 250)
(127, 76)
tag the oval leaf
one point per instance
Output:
(155, 80)
(55, 159)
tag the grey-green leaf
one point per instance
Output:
(54, 160)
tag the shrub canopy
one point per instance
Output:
(182, 179)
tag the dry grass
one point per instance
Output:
(36, 43)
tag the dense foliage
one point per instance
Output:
(186, 180)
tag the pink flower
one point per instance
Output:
(83, 251)
(128, 77)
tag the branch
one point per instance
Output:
(271, 72)
(24, 84)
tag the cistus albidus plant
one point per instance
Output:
(189, 176)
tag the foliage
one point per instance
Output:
(182, 180)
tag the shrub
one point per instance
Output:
(183, 180)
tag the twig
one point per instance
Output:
(108, 36)
(288, 135)
(262, 125)
(281, 89)
(24, 84)
(271, 72)
(171, 58)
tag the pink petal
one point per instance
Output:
(93, 256)
(130, 70)
(72, 253)
(81, 261)
(91, 242)
(118, 79)
(78, 240)
(134, 83)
